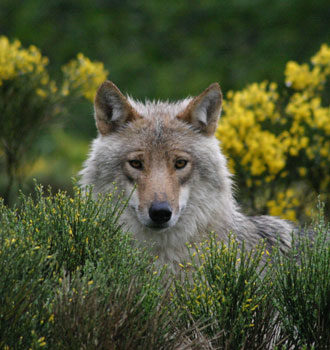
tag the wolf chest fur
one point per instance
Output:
(183, 187)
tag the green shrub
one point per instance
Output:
(77, 229)
(222, 286)
(24, 289)
(70, 277)
(302, 289)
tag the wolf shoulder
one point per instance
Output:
(274, 230)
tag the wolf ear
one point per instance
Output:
(111, 108)
(204, 110)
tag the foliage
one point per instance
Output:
(71, 277)
(27, 101)
(222, 285)
(67, 269)
(278, 143)
(69, 227)
(302, 289)
(160, 49)
(30, 101)
(21, 276)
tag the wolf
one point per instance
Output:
(168, 151)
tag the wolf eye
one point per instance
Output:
(136, 164)
(180, 163)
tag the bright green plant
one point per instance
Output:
(30, 100)
(70, 276)
(278, 140)
(71, 227)
(24, 286)
(302, 289)
(222, 287)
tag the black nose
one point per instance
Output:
(160, 212)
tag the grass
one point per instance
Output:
(72, 278)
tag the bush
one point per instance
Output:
(282, 303)
(71, 277)
(277, 140)
(24, 290)
(302, 289)
(223, 287)
(30, 101)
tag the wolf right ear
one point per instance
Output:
(111, 108)
(204, 110)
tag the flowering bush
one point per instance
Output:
(278, 141)
(221, 286)
(71, 278)
(66, 267)
(30, 100)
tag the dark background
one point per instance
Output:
(164, 49)
(161, 49)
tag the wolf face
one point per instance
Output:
(152, 147)
(160, 176)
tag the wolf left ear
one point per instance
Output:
(204, 110)
(112, 108)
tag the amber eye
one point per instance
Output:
(136, 164)
(180, 163)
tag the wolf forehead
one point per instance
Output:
(158, 124)
(159, 109)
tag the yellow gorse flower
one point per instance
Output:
(16, 61)
(284, 204)
(263, 138)
(84, 76)
(80, 75)
(241, 132)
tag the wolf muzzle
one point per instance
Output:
(160, 212)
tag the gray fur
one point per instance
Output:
(210, 204)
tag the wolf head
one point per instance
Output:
(168, 151)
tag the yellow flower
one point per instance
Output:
(84, 76)
(27, 68)
(322, 57)
(301, 77)
(284, 205)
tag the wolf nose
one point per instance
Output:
(160, 212)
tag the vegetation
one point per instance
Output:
(30, 101)
(71, 277)
(160, 49)
(278, 140)
(225, 290)
(306, 305)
